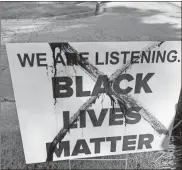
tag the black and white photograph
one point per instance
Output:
(90, 85)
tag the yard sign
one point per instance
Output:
(88, 99)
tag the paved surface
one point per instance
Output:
(120, 22)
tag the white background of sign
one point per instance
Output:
(40, 120)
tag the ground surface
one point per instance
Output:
(50, 22)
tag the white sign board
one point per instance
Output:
(80, 100)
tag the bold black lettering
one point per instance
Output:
(66, 118)
(153, 55)
(102, 80)
(116, 84)
(59, 59)
(113, 56)
(128, 141)
(82, 119)
(57, 87)
(125, 55)
(144, 55)
(41, 59)
(132, 115)
(97, 58)
(71, 58)
(159, 55)
(135, 56)
(64, 145)
(107, 58)
(113, 117)
(79, 88)
(84, 58)
(113, 141)
(85, 149)
(93, 118)
(174, 57)
(146, 140)
(97, 142)
(143, 83)
(26, 58)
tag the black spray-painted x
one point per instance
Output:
(123, 100)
